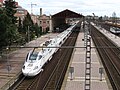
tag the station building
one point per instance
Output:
(62, 20)
(59, 21)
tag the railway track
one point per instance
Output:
(23, 83)
(110, 57)
(52, 76)
(58, 74)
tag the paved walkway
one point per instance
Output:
(78, 62)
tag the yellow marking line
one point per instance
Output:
(93, 79)
(84, 62)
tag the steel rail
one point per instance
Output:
(105, 53)
(60, 80)
(61, 66)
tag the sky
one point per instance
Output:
(84, 7)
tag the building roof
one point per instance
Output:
(20, 12)
(67, 14)
(1, 1)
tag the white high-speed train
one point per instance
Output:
(115, 30)
(37, 58)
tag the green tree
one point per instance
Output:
(11, 34)
(8, 29)
(10, 9)
(28, 27)
(40, 30)
(27, 21)
(4, 23)
(20, 28)
(37, 30)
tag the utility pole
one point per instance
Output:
(114, 18)
(28, 33)
(93, 16)
(32, 7)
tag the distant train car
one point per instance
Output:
(115, 30)
(37, 58)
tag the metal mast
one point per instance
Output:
(32, 7)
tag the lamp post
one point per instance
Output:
(8, 63)
(28, 33)
(36, 40)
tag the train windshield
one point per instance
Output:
(33, 56)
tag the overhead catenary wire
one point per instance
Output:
(62, 47)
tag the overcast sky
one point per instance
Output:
(85, 7)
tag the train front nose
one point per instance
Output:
(27, 69)
(25, 72)
(29, 72)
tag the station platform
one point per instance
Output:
(77, 80)
(111, 36)
(11, 64)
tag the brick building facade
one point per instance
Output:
(44, 22)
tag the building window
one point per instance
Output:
(40, 22)
(47, 22)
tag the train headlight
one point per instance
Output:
(23, 67)
(36, 67)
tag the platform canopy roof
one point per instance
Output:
(67, 14)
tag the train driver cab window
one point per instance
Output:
(33, 56)
(27, 57)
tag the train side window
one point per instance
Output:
(50, 51)
(63, 39)
(39, 57)
(60, 43)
